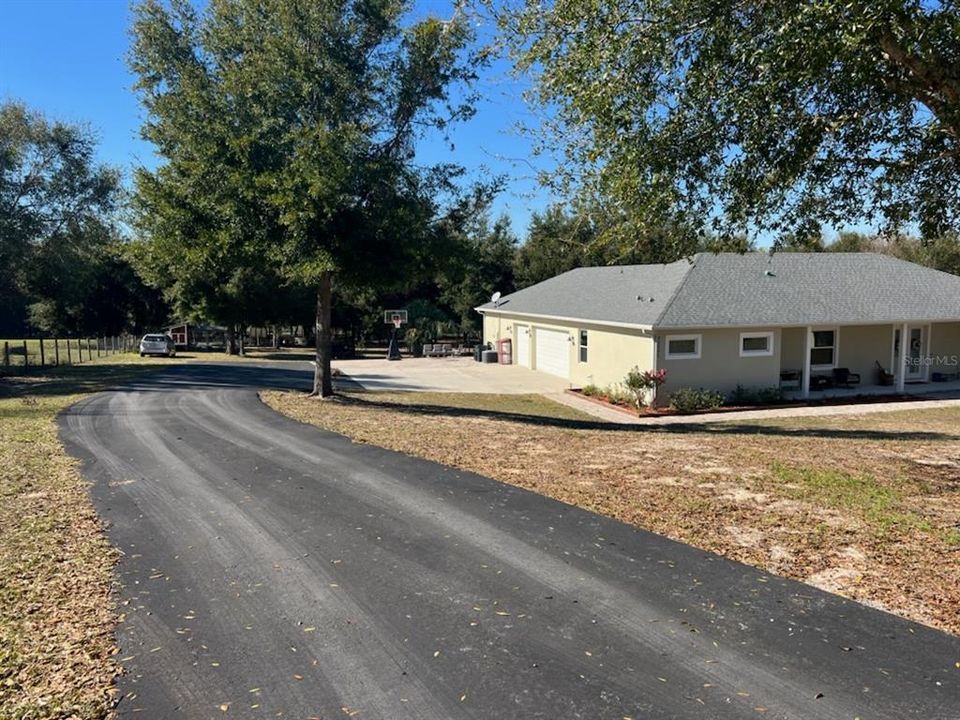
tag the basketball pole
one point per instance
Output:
(393, 351)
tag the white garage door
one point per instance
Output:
(523, 345)
(553, 352)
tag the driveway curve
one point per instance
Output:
(270, 569)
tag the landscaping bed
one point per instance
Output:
(866, 506)
(631, 409)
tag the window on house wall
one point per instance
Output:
(583, 346)
(756, 344)
(823, 351)
(683, 347)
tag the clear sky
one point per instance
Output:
(67, 59)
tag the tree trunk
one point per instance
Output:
(240, 332)
(276, 337)
(231, 340)
(322, 381)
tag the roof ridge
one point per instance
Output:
(692, 261)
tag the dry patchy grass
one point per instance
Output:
(56, 611)
(865, 506)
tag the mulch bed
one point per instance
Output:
(666, 411)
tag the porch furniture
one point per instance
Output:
(883, 377)
(790, 379)
(427, 350)
(821, 382)
(842, 377)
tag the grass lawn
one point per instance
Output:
(56, 611)
(866, 506)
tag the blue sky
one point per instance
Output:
(67, 59)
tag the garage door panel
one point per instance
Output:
(552, 352)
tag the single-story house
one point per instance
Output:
(792, 320)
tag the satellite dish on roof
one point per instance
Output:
(495, 297)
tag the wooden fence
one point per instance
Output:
(20, 356)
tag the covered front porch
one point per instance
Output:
(860, 360)
(941, 390)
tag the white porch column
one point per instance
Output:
(902, 359)
(805, 382)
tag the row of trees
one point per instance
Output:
(63, 269)
(67, 270)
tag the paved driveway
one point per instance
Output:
(270, 569)
(448, 375)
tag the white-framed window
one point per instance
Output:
(583, 346)
(756, 344)
(683, 347)
(823, 348)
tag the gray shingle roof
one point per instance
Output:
(605, 294)
(754, 289)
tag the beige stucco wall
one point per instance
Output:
(611, 352)
(791, 348)
(945, 347)
(719, 366)
(860, 347)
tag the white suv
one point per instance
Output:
(157, 345)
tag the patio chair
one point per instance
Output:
(427, 350)
(883, 377)
(842, 377)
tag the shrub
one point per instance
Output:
(591, 390)
(639, 383)
(687, 400)
(770, 395)
(755, 396)
(618, 396)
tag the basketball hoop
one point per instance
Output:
(395, 318)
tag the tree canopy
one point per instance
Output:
(295, 123)
(62, 264)
(733, 117)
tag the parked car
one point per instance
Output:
(157, 345)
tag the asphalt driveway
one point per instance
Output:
(270, 569)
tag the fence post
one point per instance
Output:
(6, 354)
(79, 351)
(26, 359)
(43, 359)
(56, 351)
(69, 357)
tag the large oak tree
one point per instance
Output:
(768, 115)
(288, 129)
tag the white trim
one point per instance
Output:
(757, 353)
(564, 319)
(679, 328)
(835, 347)
(683, 356)
(760, 326)
(902, 359)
